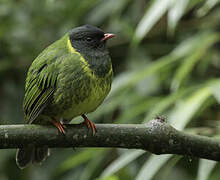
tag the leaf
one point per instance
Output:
(169, 166)
(208, 5)
(113, 177)
(185, 109)
(151, 16)
(184, 70)
(142, 74)
(175, 13)
(164, 103)
(215, 87)
(152, 166)
(205, 169)
(137, 109)
(92, 165)
(206, 40)
(121, 162)
(105, 9)
(78, 159)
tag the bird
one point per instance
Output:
(69, 78)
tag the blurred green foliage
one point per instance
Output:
(166, 60)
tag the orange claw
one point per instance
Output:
(89, 124)
(59, 126)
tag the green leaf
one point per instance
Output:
(78, 159)
(152, 166)
(113, 177)
(206, 40)
(105, 9)
(184, 70)
(175, 13)
(185, 109)
(121, 162)
(142, 74)
(169, 166)
(137, 109)
(151, 16)
(93, 165)
(205, 9)
(205, 169)
(164, 103)
(215, 87)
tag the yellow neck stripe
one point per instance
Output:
(86, 65)
(73, 50)
(70, 47)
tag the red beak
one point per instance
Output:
(107, 36)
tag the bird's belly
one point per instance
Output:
(84, 96)
(89, 104)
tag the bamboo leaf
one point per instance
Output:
(164, 103)
(151, 16)
(215, 87)
(78, 159)
(152, 166)
(206, 40)
(175, 13)
(121, 162)
(185, 109)
(205, 169)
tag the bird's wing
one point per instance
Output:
(40, 86)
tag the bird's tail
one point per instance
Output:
(31, 154)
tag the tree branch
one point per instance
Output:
(156, 136)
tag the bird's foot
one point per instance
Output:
(89, 124)
(59, 126)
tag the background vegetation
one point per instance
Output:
(166, 60)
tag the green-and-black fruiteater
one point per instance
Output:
(69, 78)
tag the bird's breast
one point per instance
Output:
(82, 92)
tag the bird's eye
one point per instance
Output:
(88, 39)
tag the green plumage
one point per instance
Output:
(69, 78)
(60, 84)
